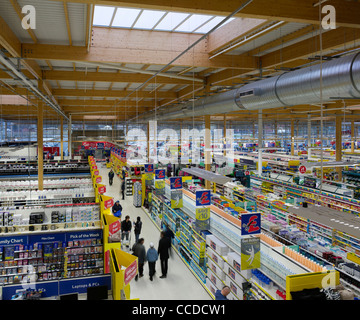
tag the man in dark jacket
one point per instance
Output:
(140, 252)
(125, 229)
(111, 177)
(164, 253)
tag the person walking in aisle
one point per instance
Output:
(111, 177)
(152, 256)
(123, 189)
(137, 228)
(116, 209)
(125, 230)
(164, 253)
(140, 252)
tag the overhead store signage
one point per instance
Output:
(250, 253)
(159, 187)
(302, 169)
(203, 198)
(159, 174)
(149, 168)
(176, 192)
(175, 183)
(202, 216)
(250, 224)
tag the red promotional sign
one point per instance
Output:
(96, 172)
(107, 261)
(114, 227)
(302, 169)
(102, 189)
(108, 203)
(247, 172)
(98, 179)
(130, 272)
(94, 167)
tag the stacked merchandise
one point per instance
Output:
(137, 198)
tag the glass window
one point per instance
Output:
(103, 15)
(124, 17)
(148, 19)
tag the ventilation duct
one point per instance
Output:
(340, 78)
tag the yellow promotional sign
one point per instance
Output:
(203, 214)
(250, 253)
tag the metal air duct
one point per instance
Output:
(340, 78)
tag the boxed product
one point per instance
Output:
(234, 260)
(234, 275)
(219, 272)
(214, 279)
(212, 288)
(214, 256)
(217, 245)
(234, 287)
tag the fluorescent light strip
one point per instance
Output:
(246, 39)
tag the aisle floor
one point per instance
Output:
(180, 283)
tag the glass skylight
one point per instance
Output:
(211, 24)
(148, 19)
(154, 19)
(171, 20)
(103, 15)
(124, 18)
(193, 23)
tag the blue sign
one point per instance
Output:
(149, 168)
(84, 235)
(175, 183)
(100, 145)
(203, 198)
(250, 223)
(80, 285)
(14, 240)
(160, 174)
(56, 288)
(46, 237)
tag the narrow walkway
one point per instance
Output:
(180, 283)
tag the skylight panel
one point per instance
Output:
(148, 19)
(193, 22)
(172, 20)
(103, 15)
(211, 24)
(124, 17)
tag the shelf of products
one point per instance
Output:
(42, 257)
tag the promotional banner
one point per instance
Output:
(203, 198)
(250, 224)
(101, 188)
(176, 192)
(250, 253)
(149, 179)
(176, 199)
(159, 174)
(159, 187)
(149, 168)
(176, 183)
(202, 221)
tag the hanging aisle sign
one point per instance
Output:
(159, 182)
(202, 214)
(176, 192)
(149, 168)
(250, 224)
(250, 253)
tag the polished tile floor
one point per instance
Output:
(180, 283)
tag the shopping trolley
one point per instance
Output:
(125, 242)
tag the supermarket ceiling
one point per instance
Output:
(95, 57)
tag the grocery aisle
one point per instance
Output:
(180, 283)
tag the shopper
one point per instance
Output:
(137, 228)
(152, 256)
(123, 189)
(125, 230)
(140, 252)
(117, 209)
(164, 253)
(111, 177)
(222, 294)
